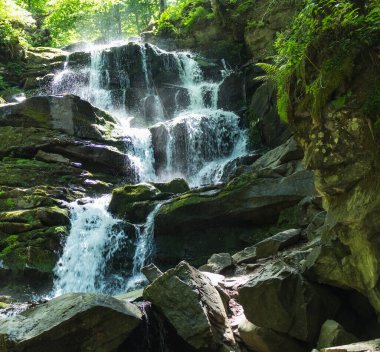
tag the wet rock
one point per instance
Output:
(185, 296)
(75, 321)
(160, 139)
(217, 263)
(266, 340)
(279, 298)
(334, 334)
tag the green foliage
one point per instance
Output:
(13, 22)
(183, 16)
(334, 31)
(372, 105)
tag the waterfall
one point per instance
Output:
(126, 80)
(94, 238)
(170, 119)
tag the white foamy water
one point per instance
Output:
(93, 239)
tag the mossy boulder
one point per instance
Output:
(36, 249)
(135, 202)
(178, 185)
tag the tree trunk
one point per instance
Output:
(117, 17)
(163, 6)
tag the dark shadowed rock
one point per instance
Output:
(279, 298)
(263, 115)
(72, 322)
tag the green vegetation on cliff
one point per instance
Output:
(325, 37)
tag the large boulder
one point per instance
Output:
(279, 298)
(75, 322)
(67, 113)
(193, 306)
(217, 218)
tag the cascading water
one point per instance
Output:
(169, 115)
(95, 236)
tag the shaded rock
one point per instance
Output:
(333, 334)
(264, 118)
(279, 298)
(193, 306)
(289, 151)
(231, 95)
(277, 242)
(75, 322)
(217, 263)
(151, 272)
(266, 340)
(99, 157)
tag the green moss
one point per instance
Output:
(372, 105)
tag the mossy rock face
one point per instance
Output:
(37, 249)
(33, 222)
(341, 147)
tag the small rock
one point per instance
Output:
(151, 272)
(333, 334)
(272, 245)
(51, 158)
(217, 263)
(266, 340)
(247, 255)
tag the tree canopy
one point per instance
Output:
(59, 22)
